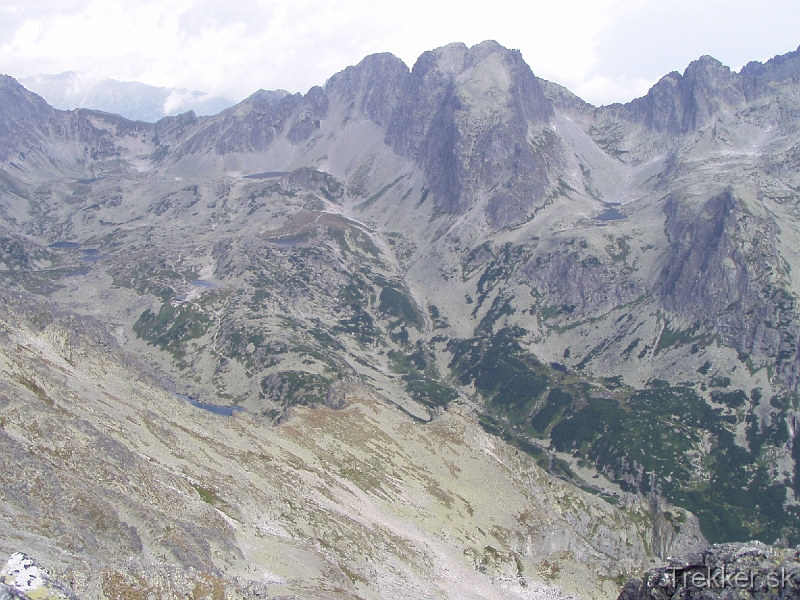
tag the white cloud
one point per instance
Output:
(604, 50)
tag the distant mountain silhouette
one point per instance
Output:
(130, 99)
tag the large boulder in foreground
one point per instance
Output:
(724, 571)
(21, 578)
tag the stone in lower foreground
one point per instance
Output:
(750, 570)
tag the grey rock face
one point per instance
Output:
(580, 282)
(9, 593)
(374, 87)
(679, 104)
(759, 77)
(252, 127)
(722, 270)
(36, 137)
(313, 108)
(23, 116)
(268, 96)
(469, 131)
(340, 392)
(707, 92)
(752, 570)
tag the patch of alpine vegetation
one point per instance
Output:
(510, 381)
(175, 324)
(20, 254)
(397, 305)
(293, 388)
(509, 378)
(668, 440)
(28, 265)
(149, 272)
(270, 321)
(671, 440)
(421, 376)
(355, 319)
(501, 265)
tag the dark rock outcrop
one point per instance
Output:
(24, 116)
(465, 150)
(723, 270)
(679, 104)
(723, 571)
(374, 87)
(341, 392)
(251, 126)
(758, 77)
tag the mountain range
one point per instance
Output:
(473, 336)
(130, 99)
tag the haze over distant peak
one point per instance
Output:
(131, 99)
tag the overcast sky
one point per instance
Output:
(603, 50)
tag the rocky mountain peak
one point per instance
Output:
(449, 60)
(486, 73)
(682, 103)
(266, 96)
(459, 111)
(9, 85)
(23, 113)
(471, 111)
(778, 67)
(374, 86)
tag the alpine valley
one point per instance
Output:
(442, 332)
